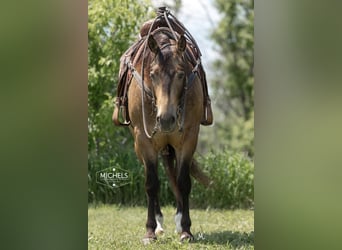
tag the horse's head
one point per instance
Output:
(168, 77)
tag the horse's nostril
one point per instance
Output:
(166, 122)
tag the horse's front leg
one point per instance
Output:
(182, 218)
(149, 157)
(151, 188)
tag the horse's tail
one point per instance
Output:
(198, 174)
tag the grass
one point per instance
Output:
(115, 227)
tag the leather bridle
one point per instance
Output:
(140, 77)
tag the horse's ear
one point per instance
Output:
(152, 44)
(181, 43)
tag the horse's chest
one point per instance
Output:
(161, 140)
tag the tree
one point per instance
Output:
(233, 85)
(112, 28)
(234, 35)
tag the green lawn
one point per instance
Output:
(114, 227)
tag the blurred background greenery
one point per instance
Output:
(225, 149)
(44, 112)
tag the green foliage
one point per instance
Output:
(232, 176)
(112, 28)
(234, 35)
(233, 85)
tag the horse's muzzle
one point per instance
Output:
(166, 123)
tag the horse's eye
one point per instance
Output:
(180, 74)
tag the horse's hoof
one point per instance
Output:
(147, 241)
(185, 236)
(159, 231)
(149, 238)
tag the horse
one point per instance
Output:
(165, 109)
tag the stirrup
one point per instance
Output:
(207, 115)
(120, 109)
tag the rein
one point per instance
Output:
(140, 77)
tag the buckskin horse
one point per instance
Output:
(164, 102)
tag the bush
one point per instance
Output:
(112, 27)
(232, 176)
